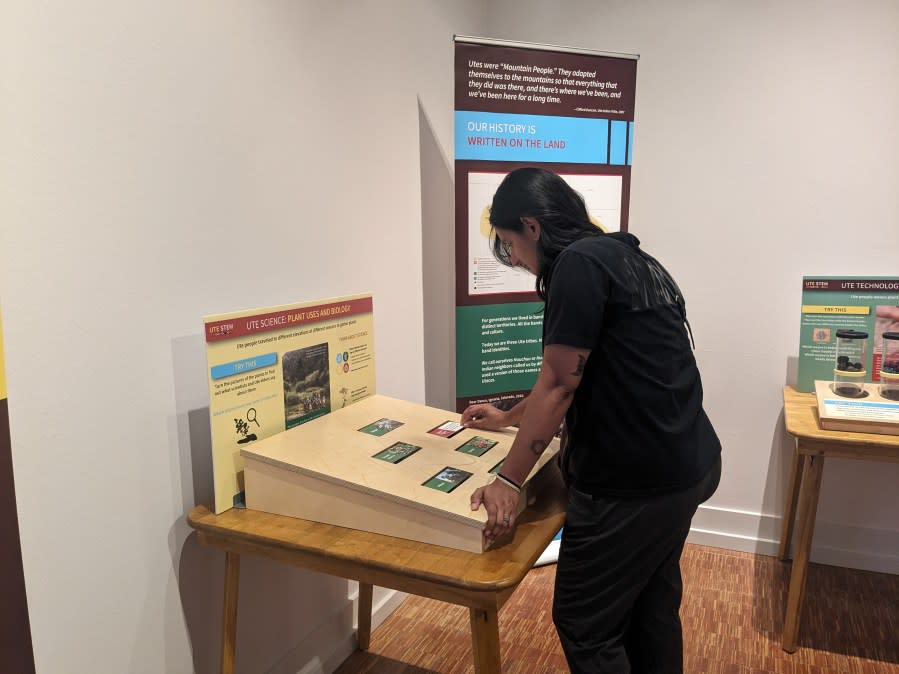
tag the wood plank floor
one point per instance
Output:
(732, 615)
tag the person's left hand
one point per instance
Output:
(501, 503)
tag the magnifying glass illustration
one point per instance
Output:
(253, 417)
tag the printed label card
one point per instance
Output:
(396, 452)
(477, 446)
(447, 429)
(447, 479)
(381, 427)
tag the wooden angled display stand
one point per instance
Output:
(326, 471)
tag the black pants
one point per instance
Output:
(618, 582)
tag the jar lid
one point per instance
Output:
(891, 335)
(851, 334)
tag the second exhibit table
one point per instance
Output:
(813, 445)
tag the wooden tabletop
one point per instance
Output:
(801, 420)
(343, 552)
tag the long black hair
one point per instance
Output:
(544, 196)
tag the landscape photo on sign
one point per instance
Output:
(307, 384)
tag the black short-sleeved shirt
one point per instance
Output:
(636, 424)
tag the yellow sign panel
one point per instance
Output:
(820, 309)
(2, 368)
(275, 368)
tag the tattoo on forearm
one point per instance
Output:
(579, 370)
(537, 447)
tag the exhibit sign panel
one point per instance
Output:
(864, 308)
(276, 368)
(516, 105)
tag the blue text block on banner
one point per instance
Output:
(630, 143)
(618, 145)
(491, 136)
(243, 365)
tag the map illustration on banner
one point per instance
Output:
(569, 111)
(276, 368)
(486, 276)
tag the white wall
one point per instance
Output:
(160, 161)
(164, 160)
(766, 148)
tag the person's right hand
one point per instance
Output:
(484, 416)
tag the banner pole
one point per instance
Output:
(468, 39)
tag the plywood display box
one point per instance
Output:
(868, 413)
(327, 471)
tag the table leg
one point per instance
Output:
(229, 614)
(786, 532)
(363, 616)
(808, 506)
(485, 640)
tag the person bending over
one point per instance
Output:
(641, 454)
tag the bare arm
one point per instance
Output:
(491, 418)
(563, 367)
(560, 374)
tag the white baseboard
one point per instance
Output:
(838, 545)
(835, 544)
(382, 606)
(343, 645)
(334, 633)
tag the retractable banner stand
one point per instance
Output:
(567, 110)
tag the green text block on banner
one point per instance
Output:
(503, 347)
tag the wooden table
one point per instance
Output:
(813, 445)
(482, 582)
